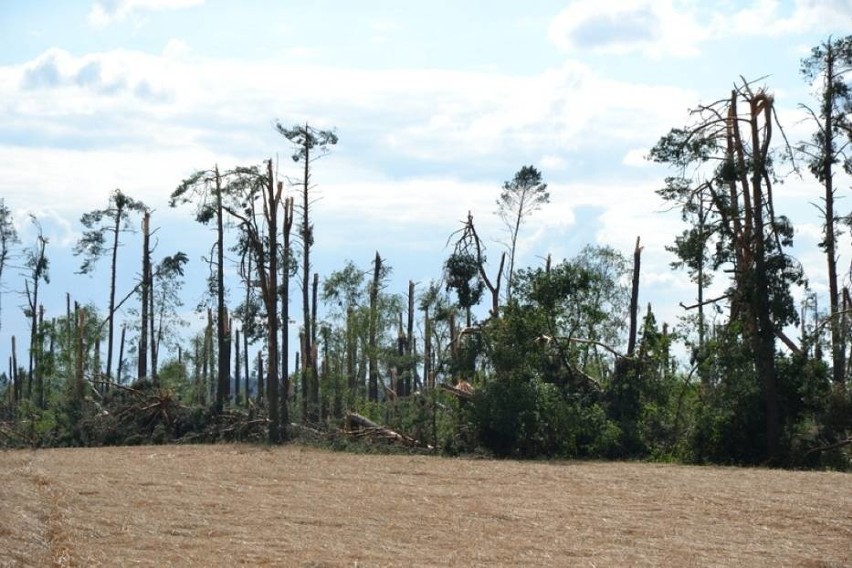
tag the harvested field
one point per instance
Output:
(295, 506)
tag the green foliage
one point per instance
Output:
(305, 139)
(461, 273)
(729, 420)
(114, 218)
(522, 416)
(8, 239)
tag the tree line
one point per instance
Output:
(557, 360)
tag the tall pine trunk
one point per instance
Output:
(142, 351)
(372, 348)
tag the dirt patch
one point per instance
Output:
(294, 506)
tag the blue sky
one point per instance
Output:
(436, 104)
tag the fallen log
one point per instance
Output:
(834, 446)
(361, 426)
(464, 390)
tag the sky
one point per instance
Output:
(436, 103)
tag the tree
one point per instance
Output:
(737, 181)
(287, 268)
(373, 384)
(831, 62)
(8, 239)
(309, 144)
(261, 231)
(92, 245)
(165, 303)
(520, 198)
(209, 206)
(145, 292)
(37, 265)
(344, 291)
(468, 257)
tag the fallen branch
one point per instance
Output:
(546, 339)
(360, 426)
(705, 302)
(833, 446)
(788, 342)
(464, 391)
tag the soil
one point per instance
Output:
(230, 505)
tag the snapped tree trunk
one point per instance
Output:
(145, 289)
(634, 300)
(314, 378)
(373, 384)
(222, 337)
(285, 312)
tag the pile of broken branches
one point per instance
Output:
(358, 426)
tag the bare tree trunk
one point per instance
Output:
(634, 300)
(373, 386)
(206, 353)
(270, 293)
(314, 379)
(427, 349)
(198, 361)
(111, 314)
(81, 354)
(401, 349)
(237, 374)
(16, 382)
(96, 363)
(247, 364)
(411, 368)
(764, 338)
(121, 354)
(259, 377)
(351, 348)
(222, 333)
(142, 361)
(829, 155)
(306, 389)
(285, 313)
(308, 365)
(154, 342)
(39, 370)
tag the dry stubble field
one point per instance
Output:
(295, 506)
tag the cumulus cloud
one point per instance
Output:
(105, 12)
(104, 74)
(654, 27)
(768, 17)
(679, 28)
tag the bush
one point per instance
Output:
(525, 417)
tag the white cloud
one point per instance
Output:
(105, 12)
(654, 27)
(765, 17)
(636, 158)
(678, 28)
(552, 162)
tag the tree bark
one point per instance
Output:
(314, 409)
(142, 350)
(222, 339)
(373, 385)
(410, 380)
(121, 354)
(837, 347)
(112, 276)
(634, 299)
(308, 365)
(237, 369)
(81, 354)
(285, 313)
